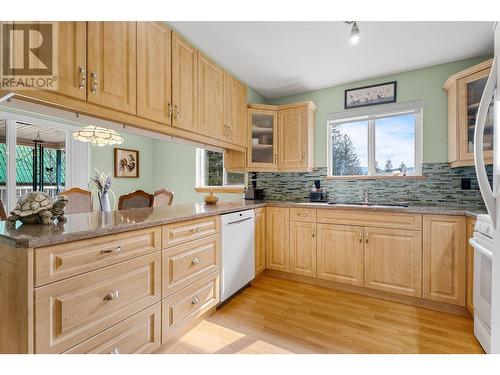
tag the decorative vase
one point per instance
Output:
(104, 202)
(211, 198)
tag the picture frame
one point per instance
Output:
(380, 93)
(126, 163)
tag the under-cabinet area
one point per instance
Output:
(143, 290)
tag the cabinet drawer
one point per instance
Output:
(73, 310)
(175, 234)
(189, 262)
(188, 304)
(138, 334)
(58, 262)
(303, 214)
(369, 218)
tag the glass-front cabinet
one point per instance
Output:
(263, 152)
(464, 95)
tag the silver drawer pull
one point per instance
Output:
(112, 296)
(302, 214)
(194, 230)
(195, 261)
(195, 301)
(115, 351)
(111, 251)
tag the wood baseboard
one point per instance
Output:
(413, 301)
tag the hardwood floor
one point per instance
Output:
(283, 316)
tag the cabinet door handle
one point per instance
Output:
(360, 236)
(366, 237)
(195, 261)
(314, 233)
(111, 251)
(112, 296)
(195, 301)
(83, 77)
(93, 88)
(275, 158)
(170, 109)
(177, 112)
(303, 157)
(115, 351)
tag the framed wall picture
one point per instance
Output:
(126, 163)
(381, 93)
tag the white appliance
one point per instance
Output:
(486, 238)
(238, 252)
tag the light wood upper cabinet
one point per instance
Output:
(184, 84)
(278, 236)
(303, 248)
(236, 111)
(154, 71)
(293, 138)
(465, 89)
(260, 240)
(72, 56)
(281, 138)
(340, 253)
(393, 261)
(444, 258)
(112, 65)
(469, 290)
(211, 106)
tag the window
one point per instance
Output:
(210, 172)
(376, 141)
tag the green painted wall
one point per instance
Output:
(103, 159)
(422, 84)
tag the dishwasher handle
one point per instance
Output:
(238, 221)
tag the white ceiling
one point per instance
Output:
(283, 58)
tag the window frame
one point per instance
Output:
(200, 175)
(371, 114)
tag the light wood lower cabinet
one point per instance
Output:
(141, 333)
(393, 261)
(184, 307)
(469, 290)
(340, 253)
(444, 258)
(260, 240)
(70, 311)
(278, 237)
(303, 248)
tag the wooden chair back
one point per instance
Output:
(136, 199)
(79, 200)
(3, 215)
(163, 197)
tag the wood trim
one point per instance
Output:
(407, 300)
(468, 163)
(219, 189)
(469, 284)
(464, 73)
(376, 177)
(269, 107)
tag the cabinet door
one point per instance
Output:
(470, 90)
(184, 84)
(278, 238)
(112, 65)
(393, 261)
(236, 111)
(292, 138)
(340, 253)
(211, 109)
(263, 134)
(260, 240)
(154, 71)
(469, 290)
(444, 259)
(72, 68)
(303, 248)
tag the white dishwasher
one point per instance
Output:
(238, 252)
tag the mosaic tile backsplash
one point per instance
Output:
(441, 186)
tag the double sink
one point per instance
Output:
(371, 204)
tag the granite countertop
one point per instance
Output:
(94, 224)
